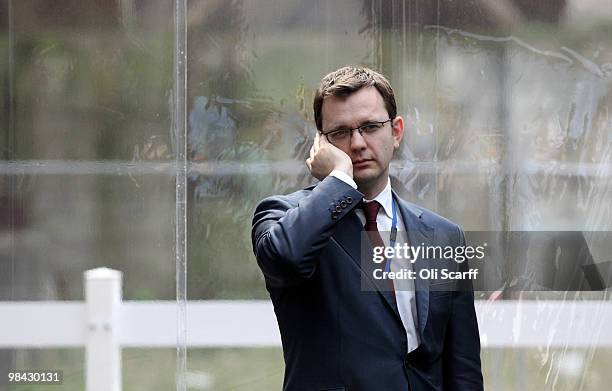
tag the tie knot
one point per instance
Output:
(370, 210)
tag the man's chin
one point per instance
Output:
(365, 180)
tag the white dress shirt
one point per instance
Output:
(404, 289)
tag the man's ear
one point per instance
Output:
(397, 129)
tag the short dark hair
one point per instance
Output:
(345, 81)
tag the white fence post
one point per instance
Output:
(103, 351)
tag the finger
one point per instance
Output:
(317, 142)
(323, 141)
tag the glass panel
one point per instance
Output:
(90, 81)
(64, 224)
(87, 163)
(507, 129)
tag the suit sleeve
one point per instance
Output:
(462, 371)
(289, 232)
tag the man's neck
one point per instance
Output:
(371, 192)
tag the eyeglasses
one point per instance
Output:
(343, 135)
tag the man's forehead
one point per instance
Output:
(363, 105)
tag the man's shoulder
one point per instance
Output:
(289, 200)
(424, 215)
(292, 197)
(428, 217)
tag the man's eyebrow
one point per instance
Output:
(339, 127)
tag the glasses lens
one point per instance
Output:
(370, 128)
(338, 136)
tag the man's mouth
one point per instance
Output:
(361, 162)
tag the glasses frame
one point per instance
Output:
(359, 129)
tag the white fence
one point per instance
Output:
(104, 324)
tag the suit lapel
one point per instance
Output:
(419, 234)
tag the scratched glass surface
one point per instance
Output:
(507, 128)
(86, 167)
(86, 178)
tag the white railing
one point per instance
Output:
(104, 324)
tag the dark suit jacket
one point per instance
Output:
(337, 336)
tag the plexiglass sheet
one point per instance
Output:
(87, 176)
(507, 129)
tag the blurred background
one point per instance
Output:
(507, 105)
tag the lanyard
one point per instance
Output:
(393, 236)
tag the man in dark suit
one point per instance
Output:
(419, 334)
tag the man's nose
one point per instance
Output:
(357, 141)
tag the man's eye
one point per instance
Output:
(340, 133)
(370, 127)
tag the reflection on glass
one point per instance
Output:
(508, 128)
(507, 113)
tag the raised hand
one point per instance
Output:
(325, 157)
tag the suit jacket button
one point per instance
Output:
(334, 216)
(349, 200)
(343, 204)
(338, 208)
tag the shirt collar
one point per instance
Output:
(385, 198)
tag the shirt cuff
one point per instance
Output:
(344, 178)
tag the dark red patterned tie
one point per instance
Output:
(370, 210)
